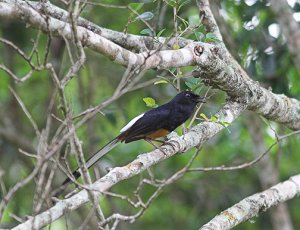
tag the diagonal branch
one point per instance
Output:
(128, 41)
(216, 65)
(251, 206)
(207, 18)
(223, 72)
(198, 135)
(22, 10)
(215, 62)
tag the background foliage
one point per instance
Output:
(198, 196)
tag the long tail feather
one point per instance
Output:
(94, 158)
(100, 153)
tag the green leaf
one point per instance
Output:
(145, 16)
(136, 6)
(226, 123)
(193, 18)
(146, 32)
(199, 36)
(204, 116)
(193, 83)
(150, 102)
(211, 37)
(214, 119)
(172, 3)
(185, 22)
(160, 32)
(189, 84)
(183, 3)
(198, 90)
(161, 82)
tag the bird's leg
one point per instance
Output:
(150, 141)
(159, 141)
(164, 142)
(167, 142)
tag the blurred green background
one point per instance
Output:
(251, 36)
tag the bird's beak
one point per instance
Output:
(201, 99)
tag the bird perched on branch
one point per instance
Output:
(153, 124)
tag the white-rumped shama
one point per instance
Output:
(153, 124)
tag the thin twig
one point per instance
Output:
(245, 165)
(34, 125)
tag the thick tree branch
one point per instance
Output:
(251, 206)
(216, 64)
(128, 41)
(198, 135)
(224, 73)
(207, 18)
(24, 11)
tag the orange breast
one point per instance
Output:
(157, 134)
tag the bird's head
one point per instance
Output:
(188, 97)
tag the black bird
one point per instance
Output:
(153, 124)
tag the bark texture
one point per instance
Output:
(251, 206)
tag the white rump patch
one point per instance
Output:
(131, 123)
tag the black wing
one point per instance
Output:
(152, 121)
